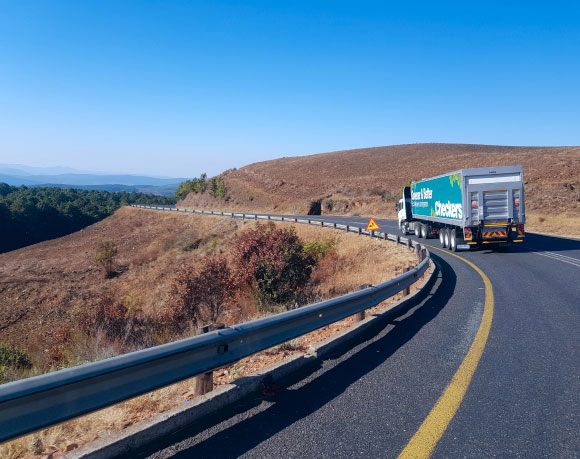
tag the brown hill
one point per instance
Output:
(369, 180)
(51, 285)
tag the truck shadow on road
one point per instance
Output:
(240, 428)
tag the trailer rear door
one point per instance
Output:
(494, 196)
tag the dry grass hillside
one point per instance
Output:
(368, 181)
(46, 288)
(48, 285)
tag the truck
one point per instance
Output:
(466, 209)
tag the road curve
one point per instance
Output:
(369, 400)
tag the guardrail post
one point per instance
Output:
(360, 316)
(255, 216)
(268, 217)
(407, 290)
(334, 225)
(359, 230)
(408, 243)
(398, 239)
(204, 382)
(418, 252)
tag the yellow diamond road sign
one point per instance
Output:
(372, 225)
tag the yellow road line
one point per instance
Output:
(431, 430)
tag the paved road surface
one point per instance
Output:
(368, 401)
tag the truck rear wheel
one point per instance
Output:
(418, 229)
(452, 240)
(442, 232)
(424, 232)
(446, 237)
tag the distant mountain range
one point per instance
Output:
(64, 177)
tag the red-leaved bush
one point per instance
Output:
(273, 261)
(201, 293)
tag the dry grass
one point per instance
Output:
(358, 260)
(47, 286)
(561, 225)
(354, 179)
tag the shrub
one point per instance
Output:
(105, 256)
(319, 249)
(110, 317)
(273, 261)
(10, 356)
(387, 196)
(122, 321)
(329, 205)
(202, 292)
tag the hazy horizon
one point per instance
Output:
(56, 169)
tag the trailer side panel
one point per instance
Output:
(438, 199)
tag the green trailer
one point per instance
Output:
(467, 208)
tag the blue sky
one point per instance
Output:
(182, 87)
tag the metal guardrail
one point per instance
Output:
(41, 401)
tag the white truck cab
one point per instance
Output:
(403, 208)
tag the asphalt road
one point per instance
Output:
(370, 399)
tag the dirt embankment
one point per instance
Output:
(368, 181)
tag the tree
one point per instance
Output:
(221, 188)
(30, 215)
(105, 256)
(215, 186)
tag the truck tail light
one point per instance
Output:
(474, 214)
(467, 234)
(516, 197)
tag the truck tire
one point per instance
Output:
(446, 237)
(442, 237)
(418, 229)
(424, 232)
(403, 229)
(452, 240)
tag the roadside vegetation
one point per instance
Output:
(174, 273)
(31, 215)
(267, 269)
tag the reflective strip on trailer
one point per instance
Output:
(492, 234)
